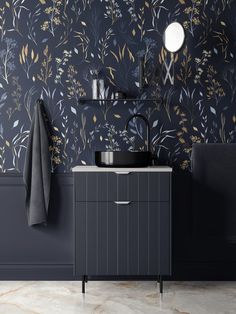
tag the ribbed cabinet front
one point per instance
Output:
(122, 224)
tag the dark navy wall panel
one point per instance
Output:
(40, 245)
(46, 253)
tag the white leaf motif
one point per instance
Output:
(73, 110)
(213, 110)
(15, 123)
(155, 123)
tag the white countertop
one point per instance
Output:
(109, 169)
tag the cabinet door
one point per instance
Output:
(122, 240)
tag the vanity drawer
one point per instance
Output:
(122, 186)
(95, 186)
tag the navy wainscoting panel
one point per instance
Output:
(41, 252)
(47, 252)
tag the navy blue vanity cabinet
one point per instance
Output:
(122, 225)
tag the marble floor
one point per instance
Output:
(117, 297)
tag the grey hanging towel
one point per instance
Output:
(37, 169)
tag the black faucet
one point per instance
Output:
(148, 128)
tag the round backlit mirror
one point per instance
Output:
(173, 37)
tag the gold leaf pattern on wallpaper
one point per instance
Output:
(52, 49)
(46, 69)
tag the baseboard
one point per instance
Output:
(184, 271)
(204, 271)
(36, 272)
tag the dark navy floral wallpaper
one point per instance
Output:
(49, 48)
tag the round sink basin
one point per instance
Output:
(122, 159)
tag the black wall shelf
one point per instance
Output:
(87, 100)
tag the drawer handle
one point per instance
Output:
(122, 202)
(122, 172)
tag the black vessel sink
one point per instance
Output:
(122, 159)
